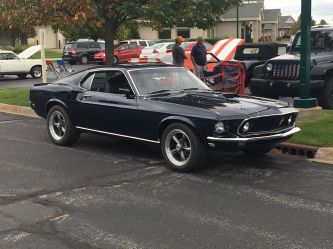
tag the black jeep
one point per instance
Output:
(280, 76)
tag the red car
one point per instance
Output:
(122, 53)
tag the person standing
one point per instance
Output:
(199, 57)
(178, 53)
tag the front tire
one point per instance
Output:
(182, 149)
(36, 72)
(326, 96)
(60, 127)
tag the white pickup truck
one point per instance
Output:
(20, 65)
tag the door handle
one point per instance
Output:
(85, 96)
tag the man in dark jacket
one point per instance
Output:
(199, 57)
(178, 53)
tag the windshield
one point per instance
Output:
(320, 40)
(155, 80)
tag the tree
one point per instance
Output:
(17, 19)
(323, 22)
(297, 26)
(111, 15)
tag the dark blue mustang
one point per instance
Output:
(161, 104)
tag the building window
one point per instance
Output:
(184, 32)
(164, 34)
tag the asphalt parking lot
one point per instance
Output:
(112, 193)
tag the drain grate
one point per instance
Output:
(297, 149)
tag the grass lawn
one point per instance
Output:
(317, 132)
(18, 96)
(49, 54)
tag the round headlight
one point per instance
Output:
(290, 120)
(246, 127)
(269, 67)
(219, 127)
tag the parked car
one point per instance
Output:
(20, 65)
(121, 54)
(187, 46)
(280, 76)
(255, 54)
(142, 43)
(164, 105)
(156, 50)
(81, 51)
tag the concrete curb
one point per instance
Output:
(18, 110)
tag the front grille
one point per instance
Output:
(267, 124)
(282, 70)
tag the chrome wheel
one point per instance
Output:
(37, 72)
(178, 147)
(57, 125)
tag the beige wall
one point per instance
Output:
(227, 29)
(148, 33)
(4, 41)
(52, 39)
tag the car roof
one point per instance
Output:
(134, 65)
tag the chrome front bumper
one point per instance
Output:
(252, 139)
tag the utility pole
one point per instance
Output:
(42, 53)
(237, 20)
(305, 100)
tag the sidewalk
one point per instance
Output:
(323, 155)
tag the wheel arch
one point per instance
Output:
(174, 119)
(54, 102)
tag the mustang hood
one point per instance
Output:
(227, 105)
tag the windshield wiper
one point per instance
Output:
(196, 88)
(160, 91)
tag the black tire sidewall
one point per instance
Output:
(71, 133)
(198, 153)
(81, 59)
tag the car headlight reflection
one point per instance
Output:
(219, 127)
(246, 127)
(269, 67)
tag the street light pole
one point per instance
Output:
(305, 100)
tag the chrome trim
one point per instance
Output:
(262, 116)
(118, 135)
(249, 139)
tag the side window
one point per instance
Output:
(169, 46)
(150, 43)
(95, 82)
(8, 56)
(115, 82)
(102, 45)
(82, 45)
(87, 82)
(132, 46)
(123, 47)
(143, 43)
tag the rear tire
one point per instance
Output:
(326, 95)
(182, 149)
(36, 72)
(60, 127)
(83, 59)
(22, 75)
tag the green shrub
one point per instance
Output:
(20, 48)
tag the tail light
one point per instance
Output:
(169, 50)
(74, 52)
(155, 51)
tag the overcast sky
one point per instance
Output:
(321, 9)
